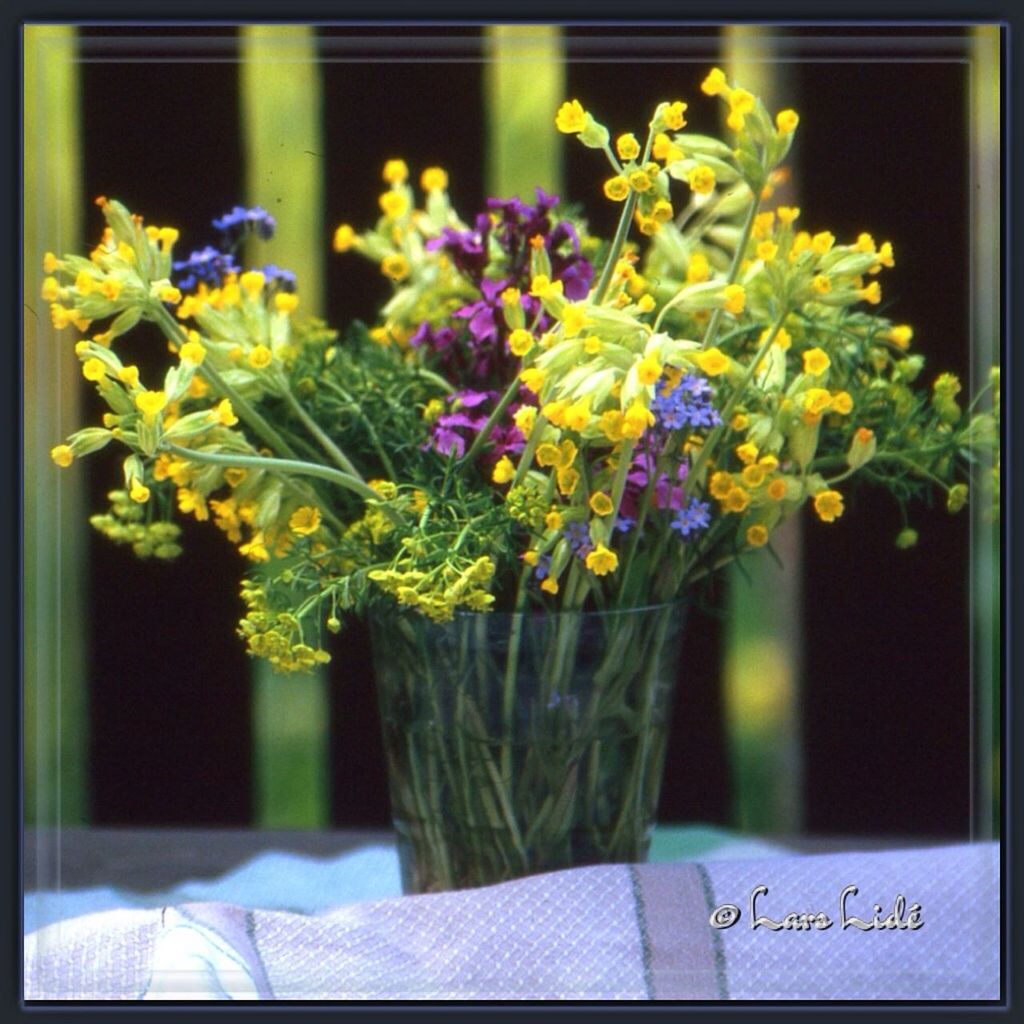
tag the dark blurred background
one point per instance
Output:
(885, 708)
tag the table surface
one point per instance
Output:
(148, 859)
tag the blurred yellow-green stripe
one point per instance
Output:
(763, 643)
(56, 700)
(524, 83)
(281, 96)
(984, 121)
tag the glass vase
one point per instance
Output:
(523, 742)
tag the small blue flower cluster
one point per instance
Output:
(240, 221)
(693, 518)
(578, 536)
(208, 265)
(687, 405)
(281, 279)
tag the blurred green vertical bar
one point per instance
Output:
(983, 118)
(763, 641)
(281, 94)
(524, 84)
(56, 699)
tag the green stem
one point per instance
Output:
(326, 443)
(499, 410)
(285, 466)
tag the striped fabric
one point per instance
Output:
(614, 932)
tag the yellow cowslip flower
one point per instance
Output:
(50, 290)
(577, 415)
(645, 303)
(286, 302)
(549, 585)
(530, 557)
(673, 117)
(226, 416)
(571, 117)
(85, 283)
(736, 500)
(864, 243)
(344, 238)
(736, 121)
(568, 479)
(547, 454)
(715, 83)
(757, 535)
(139, 492)
(741, 101)
(701, 179)
(816, 361)
(885, 256)
(602, 561)
(149, 403)
(305, 520)
(260, 357)
(525, 417)
(648, 370)
(94, 369)
(395, 172)
(735, 298)
(63, 455)
(786, 121)
(640, 181)
(665, 150)
(611, 423)
(627, 147)
(616, 188)
(769, 461)
(601, 504)
(434, 179)
(592, 345)
(567, 452)
(753, 475)
(554, 412)
(129, 375)
(822, 242)
(504, 470)
(828, 505)
(662, 211)
(169, 294)
(167, 237)
(647, 225)
(698, 269)
(636, 420)
(234, 475)
(542, 287)
(193, 351)
(553, 520)
(393, 204)
(872, 293)
(787, 214)
(763, 224)
(252, 282)
(817, 400)
(533, 379)
(746, 453)
(821, 284)
(712, 361)
(574, 319)
(720, 485)
(395, 266)
(256, 549)
(50, 263)
(842, 403)
(520, 341)
(767, 251)
(739, 422)
(901, 335)
(782, 338)
(777, 489)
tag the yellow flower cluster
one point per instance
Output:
(439, 592)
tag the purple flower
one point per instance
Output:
(578, 536)
(240, 221)
(208, 265)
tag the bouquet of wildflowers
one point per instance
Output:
(538, 420)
